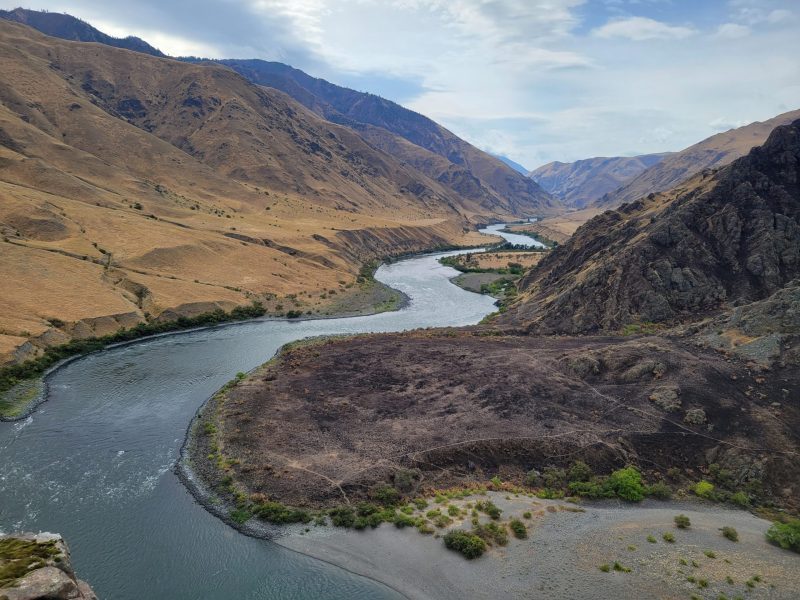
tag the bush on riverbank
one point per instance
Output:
(14, 374)
(468, 544)
(625, 484)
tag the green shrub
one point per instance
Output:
(492, 533)
(740, 499)
(442, 521)
(579, 471)
(668, 537)
(490, 508)
(704, 489)
(651, 539)
(385, 494)
(405, 480)
(420, 503)
(730, 533)
(554, 477)
(786, 535)
(403, 520)
(518, 529)
(275, 512)
(453, 510)
(710, 553)
(682, 521)
(626, 484)
(532, 478)
(590, 489)
(527, 514)
(468, 544)
(622, 569)
(343, 516)
(660, 491)
(240, 515)
(605, 568)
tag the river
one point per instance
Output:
(95, 462)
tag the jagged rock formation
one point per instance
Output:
(582, 182)
(731, 237)
(38, 567)
(714, 152)
(766, 332)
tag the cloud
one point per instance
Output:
(723, 124)
(732, 31)
(640, 29)
(535, 80)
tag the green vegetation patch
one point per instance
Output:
(13, 375)
(786, 535)
(468, 544)
(19, 557)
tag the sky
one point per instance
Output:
(533, 80)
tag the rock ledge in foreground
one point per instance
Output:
(37, 566)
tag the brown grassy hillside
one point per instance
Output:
(133, 184)
(582, 182)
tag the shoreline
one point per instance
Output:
(42, 396)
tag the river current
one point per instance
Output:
(95, 462)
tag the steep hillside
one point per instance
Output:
(136, 186)
(68, 27)
(461, 168)
(730, 237)
(582, 182)
(467, 170)
(714, 152)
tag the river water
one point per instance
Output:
(95, 462)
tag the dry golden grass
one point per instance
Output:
(500, 260)
(216, 205)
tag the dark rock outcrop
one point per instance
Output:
(38, 567)
(719, 240)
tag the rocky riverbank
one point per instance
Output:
(37, 566)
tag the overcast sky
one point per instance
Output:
(535, 80)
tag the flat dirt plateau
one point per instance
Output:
(337, 417)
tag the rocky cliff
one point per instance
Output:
(716, 240)
(38, 566)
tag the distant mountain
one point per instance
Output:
(136, 187)
(410, 137)
(582, 182)
(714, 241)
(68, 27)
(433, 149)
(514, 165)
(713, 152)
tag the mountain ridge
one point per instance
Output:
(581, 182)
(463, 169)
(713, 152)
(716, 239)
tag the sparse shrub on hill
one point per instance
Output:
(786, 535)
(579, 471)
(627, 484)
(468, 544)
(682, 521)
